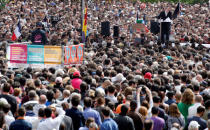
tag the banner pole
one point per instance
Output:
(82, 16)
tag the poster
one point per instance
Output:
(18, 53)
(73, 54)
(52, 54)
(35, 54)
(39, 56)
(80, 53)
(70, 55)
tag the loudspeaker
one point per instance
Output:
(116, 31)
(105, 28)
(154, 27)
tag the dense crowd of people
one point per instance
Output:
(123, 84)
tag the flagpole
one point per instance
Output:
(82, 16)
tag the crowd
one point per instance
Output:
(122, 85)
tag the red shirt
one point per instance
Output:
(76, 83)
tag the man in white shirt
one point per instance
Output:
(110, 95)
(8, 119)
(192, 111)
(32, 99)
(34, 120)
(66, 95)
(49, 123)
(41, 104)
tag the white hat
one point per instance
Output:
(59, 71)
(118, 78)
(193, 125)
(58, 80)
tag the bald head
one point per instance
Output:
(42, 99)
(198, 98)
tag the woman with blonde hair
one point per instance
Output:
(174, 117)
(144, 112)
(187, 101)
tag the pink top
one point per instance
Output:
(76, 83)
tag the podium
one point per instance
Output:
(165, 29)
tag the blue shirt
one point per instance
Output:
(20, 125)
(77, 117)
(48, 103)
(201, 122)
(170, 101)
(109, 124)
(89, 112)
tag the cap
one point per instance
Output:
(58, 80)
(148, 75)
(76, 73)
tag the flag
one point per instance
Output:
(17, 32)
(177, 11)
(84, 27)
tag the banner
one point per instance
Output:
(73, 54)
(35, 54)
(18, 53)
(52, 55)
(39, 56)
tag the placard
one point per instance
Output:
(18, 53)
(52, 54)
(35, 54)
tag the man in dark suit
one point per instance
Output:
(166, 27)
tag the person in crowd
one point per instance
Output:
(3, 124)
(8, 118)
(206, 115)
(111, 92)
(193, 125)
(76, 80)
(171, 98)
(10, 99)
(35, 120)
(89, 112)
(87, 124)
(20, 123)
(144, 112)
(124, 122)
(41, 104)
(187, 101)
(148, 125)
(137, 118)
(108, 123)
(76, 115)
(49, 123)
(159, 123)
(161, 112)
(198, 118)
(174, 117)
(93, 126)
(192, 111)
(32, 99)
(38, 37)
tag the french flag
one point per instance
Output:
(17, 33)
